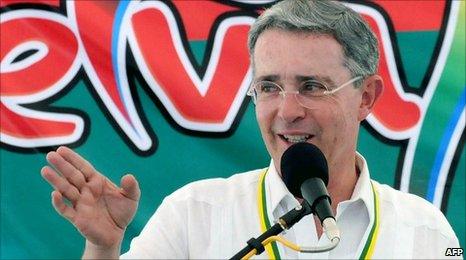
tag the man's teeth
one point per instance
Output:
(296, 138)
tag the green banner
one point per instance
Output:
(158, 89)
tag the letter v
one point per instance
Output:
(209, 104)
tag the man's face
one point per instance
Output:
(332, 123)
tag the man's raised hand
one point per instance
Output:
(99, 209)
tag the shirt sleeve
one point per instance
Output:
(163, 237)
(435, 237)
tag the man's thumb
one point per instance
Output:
(130, 187)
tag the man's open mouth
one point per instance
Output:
(295, 138)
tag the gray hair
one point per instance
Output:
(324, 17)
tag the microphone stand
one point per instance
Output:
(284, 222)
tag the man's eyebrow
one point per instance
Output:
(325, 79)
(299, 78)
(272, 77)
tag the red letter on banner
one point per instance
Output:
(208, 104)
(104, 60)
(50, 66)
(394, 110)
(55, 3)
(397, 113)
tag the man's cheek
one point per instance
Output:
(336, 115)
(263, 119)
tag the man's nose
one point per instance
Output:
(289, 109)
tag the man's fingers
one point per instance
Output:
(73, 175)
(60, 206)
(77, 161)
(130, 187)
(60, 184)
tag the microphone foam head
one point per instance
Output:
(300, 162)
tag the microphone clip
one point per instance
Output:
(293, 216)
(285, 222)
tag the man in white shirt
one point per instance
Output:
(315, 65)
(215, 218)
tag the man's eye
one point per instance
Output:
(268, 87)
(312, 87)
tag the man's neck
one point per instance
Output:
(342, 181)
(340, 187)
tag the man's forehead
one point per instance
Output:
(283, 41)
(296, 56)
(271, 35)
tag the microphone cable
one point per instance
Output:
(256, 246)
(302, 249)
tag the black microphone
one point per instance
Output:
(305, 173)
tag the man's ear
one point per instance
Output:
(372, 88)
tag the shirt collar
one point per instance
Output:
(277, 193)
(362, 189)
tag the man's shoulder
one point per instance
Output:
(413, 210)
(219, 190)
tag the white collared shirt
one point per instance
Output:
(214, 218)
